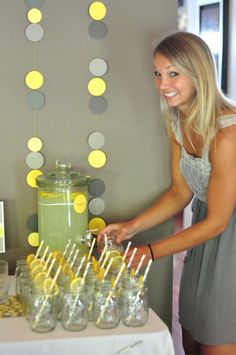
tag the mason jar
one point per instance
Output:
(90, 282)
(106, 306)
(21, 267)
(133, 302)
(74, 309)
(43, 310)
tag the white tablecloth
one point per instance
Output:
(154, 338)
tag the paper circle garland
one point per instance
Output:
(32, 223)
(34, 160)
(98, 67)
(96, 206)
(97, 30)
(33, 239)
(35, 100)
(34, 3)
(34, 15)
(96, 187)
(97, 159)
(98, 104)
(31, 177)
(97, 10)
(35, 144)
(96, 140)
(96, 224)
(34, 79)
(34, 32)
(96, 86)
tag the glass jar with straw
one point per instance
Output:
(133, 302)
(106, 306)
(43, 310)
(74, 309)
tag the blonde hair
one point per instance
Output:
(191, 55)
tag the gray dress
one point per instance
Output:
(207, 299)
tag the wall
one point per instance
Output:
(137, 168)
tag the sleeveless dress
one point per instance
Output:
(207, 298)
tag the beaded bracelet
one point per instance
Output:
(151, 252)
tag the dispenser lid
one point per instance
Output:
(62, 176)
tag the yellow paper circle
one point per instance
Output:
(96, 86)
(31, 177)
(97, 158)
(96, 223)
(35, 144)
(33, 239)
(97, 10)
(34, 15)
(34, 79)
(80, 203)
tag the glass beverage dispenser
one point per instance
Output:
(62, 207)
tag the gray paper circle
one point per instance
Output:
(34, 160)
(98, 104)
(98, 67)
(34, 3)
(34, 32)
(96, 140)
(96, 206)
(97, 29)
(96, 187)
(35, 100)
(32, 223)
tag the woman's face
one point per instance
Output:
(175, 87)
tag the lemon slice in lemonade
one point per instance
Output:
(50, 286)
(67, 270)
(36, 262)
(117, 262)
(36, 270)
(75, 284)
(113, 254)
(30, 258)
(40, 278)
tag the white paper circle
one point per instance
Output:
(34, 160)
(96, 140)
(98, 67)
(96, 206)
(34, 32)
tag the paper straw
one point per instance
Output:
(39, 248)
(102, 255)
(107, 269)
(80, 266)
(110, 294)
(105, 259)
(71, 252)
(146, 271)
(91, 248)
(105, 238)
(50, 267)
(126, 250)
(45, 253)
(74, 258)
(139, 265)
(47, 261)
(37, 318)
(131, 258)
(66, 248)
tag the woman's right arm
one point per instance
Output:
(169, 204)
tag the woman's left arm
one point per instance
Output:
(221, 198)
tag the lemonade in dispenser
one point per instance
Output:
(62, 207)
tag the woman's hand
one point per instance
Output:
(141, 250)
(119, 231)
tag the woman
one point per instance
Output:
(201, 124)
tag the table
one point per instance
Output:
(153, 338)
